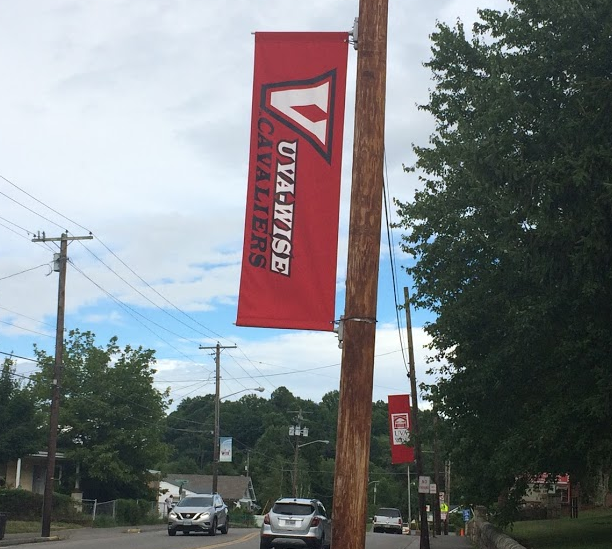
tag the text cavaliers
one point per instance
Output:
(281, 222)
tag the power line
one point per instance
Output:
(131, 310)
(26, 271)
(11, 355)
(28, 317)
(24, 329)
(13, 223)
(192, 319)
(392, 260)
(29, 209)
(141, 294)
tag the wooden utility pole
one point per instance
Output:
(436, 503)
(424, 526)
(359, 322)
(60, 266)
(217, 348)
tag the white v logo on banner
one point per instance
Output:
(289, 102)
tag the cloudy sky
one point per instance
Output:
(130, 119)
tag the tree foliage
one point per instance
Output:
(512, 233)
(21, 431)
(259, 428)
(111, 414)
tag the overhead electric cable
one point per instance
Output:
(130, 311)
(24, 329)
(392, 261)
(11, 355)
(104, 245)
(30, 209)
(28, 317)
(141, 294)
(19, 227)
(26, 271)
(194, 320)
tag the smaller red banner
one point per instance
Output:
(399, 429)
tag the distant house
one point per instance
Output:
(29, 472)
(235, 490)
(540, 491)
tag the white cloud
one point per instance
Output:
(131, 119)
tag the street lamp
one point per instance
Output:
(295, 461)
(216, 441)
(258, 389)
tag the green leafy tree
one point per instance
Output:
(111, 415)
(21, 431)
(190, 434)
(512, 233)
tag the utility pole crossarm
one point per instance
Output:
(60, 238)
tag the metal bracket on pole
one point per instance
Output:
(340, 330)
(354, 34)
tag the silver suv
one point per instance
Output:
(199, 513)
(296, 519)
(387, 519)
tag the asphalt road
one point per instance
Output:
(156, 538)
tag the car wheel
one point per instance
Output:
(265, 544)
(213, 528)
(316, 544)
(172, 532)
(224, 529)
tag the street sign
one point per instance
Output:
(466, 515)
(443, 507)
(432, 488)
(424, 483)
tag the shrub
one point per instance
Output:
(23, 505)
(131, 512)
(104, 521)
(241, 517)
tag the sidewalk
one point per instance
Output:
(449, 542)
(85, 533)
(19, 539)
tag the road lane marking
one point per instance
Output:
(226, 543)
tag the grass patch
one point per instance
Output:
(35, 527)
(591, 530)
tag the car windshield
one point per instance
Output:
(293, 509)
(200, 501)
(393, 513)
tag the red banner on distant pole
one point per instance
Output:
(399, 429)
(288, 277)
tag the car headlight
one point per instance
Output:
(204, 516)
(172, 515)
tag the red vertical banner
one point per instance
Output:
(399, 429)
(288, 277)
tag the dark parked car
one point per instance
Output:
(199, 513)
(299, 520)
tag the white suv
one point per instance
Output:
(296, 519)
(387, 519)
